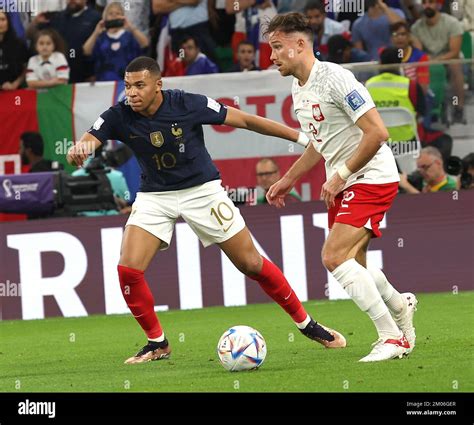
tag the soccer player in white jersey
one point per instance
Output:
(338, 115)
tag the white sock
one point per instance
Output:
(359, 284)
(390, 295)
(304, 323)
(161, 338)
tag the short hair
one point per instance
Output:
(289, 23)
(401, 24)
(369, 4)
(390, 55)
(432, 151)
(144, 63)
(337, 43)
(245, 43)
(33, 141)
(315, 4)
(267, 159)
(58, 41)
(187, 38)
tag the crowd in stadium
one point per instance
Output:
(71, 41)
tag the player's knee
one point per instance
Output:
(131, 262)
(250, 265)
(332, 259)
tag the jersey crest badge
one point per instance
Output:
(317, 113)
(177, 132)
(157, 139)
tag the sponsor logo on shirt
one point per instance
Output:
(355, 100)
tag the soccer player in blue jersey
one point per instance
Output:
(164, 129)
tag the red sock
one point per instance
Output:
(140, 300)
(274, 283)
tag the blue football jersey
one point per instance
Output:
(169, 145)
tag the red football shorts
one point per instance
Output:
(363, 205)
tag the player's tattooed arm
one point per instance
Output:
(240, 119)
(78, 153)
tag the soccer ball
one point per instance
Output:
(241, 348)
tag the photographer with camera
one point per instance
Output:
(103, 163)
(430, 175)
(114, 43)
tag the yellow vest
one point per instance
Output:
(390, 90)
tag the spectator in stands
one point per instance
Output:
(222, 20)
(248, 22)
(440, 35)
(138, 13)
(194, 60)
(31, 152)
(430, 166)
(117, 181)
(245, 57)
(323, 27)
(401, 39)
(390, 89)
(75, 24)
(268, 173)
(13, 55)
(114, 43)
(341, 50)
(49, 68)
(187, 17)
(371, 31)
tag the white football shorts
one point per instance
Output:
(206, 208)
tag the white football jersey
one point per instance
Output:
(55, 67)
(327, 107)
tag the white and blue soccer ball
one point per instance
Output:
(241, 348)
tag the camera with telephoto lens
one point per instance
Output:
(457, 167)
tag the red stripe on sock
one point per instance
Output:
(274, 283)
(140, 300)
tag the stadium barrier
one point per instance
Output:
(67, 267)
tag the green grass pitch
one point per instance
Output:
(87, 354)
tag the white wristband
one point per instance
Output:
(303, 139)
(344, 172)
